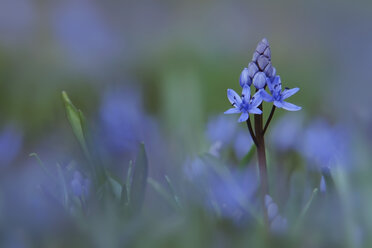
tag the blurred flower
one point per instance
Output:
(245, 105)
(243, 144)
(278, 96)
(221, 128)
(278, 224)
(10, 144)
(121, 115)
(286, 133)
(322, 185)
(17, 20)
(80, 186)
(325, 145)
(232, 192)
(81, 30)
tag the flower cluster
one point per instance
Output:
(260, 73)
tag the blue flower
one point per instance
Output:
(245, 104)
(79, 185)
(278, 96)
(245, 78)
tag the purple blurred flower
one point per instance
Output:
(245, 105)
(222, 129)
(286, 133)
(243, 144)
(81, 30)
(80, 186)
(10, 144)
(232, 192)
(278, 224)
(17, 21)
(322, 185)
(122, 119)
(325, 145)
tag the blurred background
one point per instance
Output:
(157, 71)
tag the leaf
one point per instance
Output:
(41, 164)
(175, 196)
(162, 192)
(125, 193)
(63, 184)
(77, 121)
(139, 181)
(115, 186)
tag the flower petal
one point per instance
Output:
(256, 100)
(244, 117)
(278, 104)
(255, 111)
(290, 107)
(246, 93)
(232, 111)
(266, 96)
(234, 98)
(288, 93)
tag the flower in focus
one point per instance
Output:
(278, 96)
(245, 104)
(259, 68)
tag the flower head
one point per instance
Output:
(278, 96)
(244, 104)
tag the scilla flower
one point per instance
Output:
(278, 96)
(245, 104)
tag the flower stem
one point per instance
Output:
(251, 131)
(261, 155)
(269, 119)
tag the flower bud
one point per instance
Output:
(252, 69)
(259, 80)
(262, 45)
(244, 78)
(262, 62)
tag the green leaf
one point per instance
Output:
(63, 184)
(162, 192)
(115, 186)
(77, 121)
(139, 181)
(175, 196)
(125, 194)
(41, 164)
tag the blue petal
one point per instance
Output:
(290, 107)
(255, 111)
(232, 111)
(266, 96)
(246, 93)
(233, 97)
(288, 93)
(256, 100)
(278, 104)
(244, 117)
